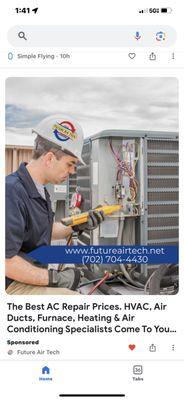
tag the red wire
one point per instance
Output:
(106, 276)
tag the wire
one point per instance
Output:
(128, 284)
(122, 266)
(153, 283)
(125, 167)
(112, 279)
(89, 282)
(69, 240)
(106, 276)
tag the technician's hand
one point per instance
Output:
(95, 218)
(68, 278)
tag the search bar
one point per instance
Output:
(92, 36)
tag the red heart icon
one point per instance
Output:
(131, 346)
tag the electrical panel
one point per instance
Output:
(138, 170)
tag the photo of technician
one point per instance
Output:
(29, 217)
(101, 176)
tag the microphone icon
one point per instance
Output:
(137, 35)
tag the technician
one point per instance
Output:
(29, 217)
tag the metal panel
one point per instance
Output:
(162, 192)
(157, 171)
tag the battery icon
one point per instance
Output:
(167, 10)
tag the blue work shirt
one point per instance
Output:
(29, 217)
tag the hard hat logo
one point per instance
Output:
(64, 131)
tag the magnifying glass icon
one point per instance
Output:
(22, 35)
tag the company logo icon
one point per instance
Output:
(64, 131)
(160, 36)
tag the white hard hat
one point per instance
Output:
(63, 131)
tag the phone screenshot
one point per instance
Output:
(91, 124)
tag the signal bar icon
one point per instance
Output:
(143, 11)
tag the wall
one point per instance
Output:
(14, 155)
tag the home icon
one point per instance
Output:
(45, 370)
